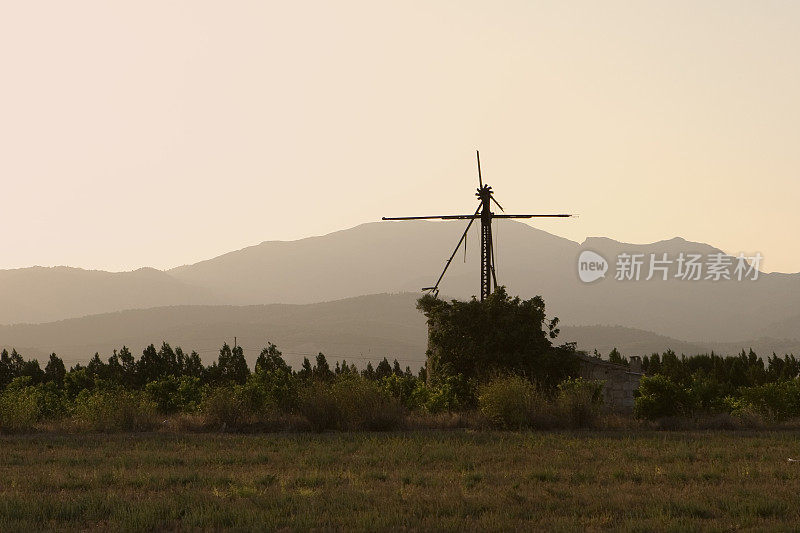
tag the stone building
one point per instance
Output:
(620, 381)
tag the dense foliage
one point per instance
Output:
(126, 393)
(712, 384)
(501, 335)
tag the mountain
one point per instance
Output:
(40, 294)
(360, 329)
(367, 259)
(391, 256)
(404, 256)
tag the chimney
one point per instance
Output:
(636, 364)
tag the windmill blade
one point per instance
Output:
(498, 203)
(455, 251)
(534, 216)
(437, 217)
(480, 179)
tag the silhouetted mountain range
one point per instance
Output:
(396, 257)
(361, 329)
(42, 294)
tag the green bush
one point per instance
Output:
(774, 401)
(452, 393)
(661, 397)
(23, 405)
(707, 394)
(19, 406)
(508, 402)
(53, 402)
(579, 401)
(273, 389)
(173, 394)
(350, 403)
(362, 404)
(406, 389)
(317, 405)
(229, 406)
(114, 410)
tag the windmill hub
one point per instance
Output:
(485, 214)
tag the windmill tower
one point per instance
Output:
(484, 213)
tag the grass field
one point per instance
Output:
(451, 480)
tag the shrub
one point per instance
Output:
(708, 394)
(53, 402)
(350, 403)
(362, 404)
(228, 406)
(23, 404)
(317, 405)
(114, 410)
(508, 402)
(452, 393)
(172, 394)
(499, 334)
(273, 389)
(661, 397)
(774, 401)
(19, 406)
(406, 389)
(579, 401)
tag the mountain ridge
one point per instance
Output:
(380, 257)
(359, 329)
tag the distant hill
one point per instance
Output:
(369, 259)
(360, 329)
(404, 256)
(40, 294)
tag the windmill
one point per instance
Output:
(484, 213)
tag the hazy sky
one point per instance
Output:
(160, 133)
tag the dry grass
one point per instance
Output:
(424, 480)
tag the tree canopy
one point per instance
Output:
(498, 335)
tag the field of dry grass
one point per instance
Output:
(422, 480)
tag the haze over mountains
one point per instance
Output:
(387, 257)
(360, 329)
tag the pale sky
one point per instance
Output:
(159, 133)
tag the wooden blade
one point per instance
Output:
(480, 179)
(531, 216)
(439, 217)
(496, 202)
(450, 259)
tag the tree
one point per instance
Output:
(322, 370)
(384, 369)
(615, 357)
(14, 366)
(193, 366)
(129, 367)
(116, 374)
(480, 339)
(270, 360)
(55, 370)
(16, 363)
(660, 397)
(346, 368)
(369, 371)
(149, 367)
(5, 369)
(230, 367)
(97, 368)
(306, 372)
